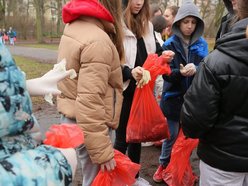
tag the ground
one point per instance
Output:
(47, 115)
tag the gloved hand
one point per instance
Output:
(146, 77)
(47, 84)
(188, 70)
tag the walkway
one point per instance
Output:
(41, 54)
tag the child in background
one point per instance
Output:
(169, 15)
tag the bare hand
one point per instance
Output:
(137, 73)
(109, 165)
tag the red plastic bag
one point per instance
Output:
(179, 171)
(123, 174)
(146, 121)
(64, 136)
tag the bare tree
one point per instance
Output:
(39, 8)
(2, 12)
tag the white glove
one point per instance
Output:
(47, 84)
(188, 70)
(146, 77)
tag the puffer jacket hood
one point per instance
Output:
(235, 43)
(92, 8)
(229, 6)
(188, 8)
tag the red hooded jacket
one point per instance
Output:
(92, 8)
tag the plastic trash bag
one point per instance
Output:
(146, 121)
(179, 171)
(123, 174)
(64, 136)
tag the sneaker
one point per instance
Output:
(157, 177)
(141, 182)
(158, 143)
(146, 144)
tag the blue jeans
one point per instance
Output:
(167, 145)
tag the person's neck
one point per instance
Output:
(186, 39)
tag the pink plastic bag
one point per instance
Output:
(64, 136)
(123, 174)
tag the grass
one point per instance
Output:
(33, 69)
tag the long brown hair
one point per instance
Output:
(138, 24)
(115, 9)
(242, 9)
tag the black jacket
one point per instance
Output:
(216, 105)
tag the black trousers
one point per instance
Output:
(133, 149)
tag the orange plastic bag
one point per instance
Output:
(146, 121)
(64, 136)
(179, 171)
(123, 174)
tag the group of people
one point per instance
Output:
(106, 42)
(7, 36)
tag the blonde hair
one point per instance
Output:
(115, 9)
(138, 24)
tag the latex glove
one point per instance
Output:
(146, 77)
(109, 165)
(188, 70)
(137, 73)
(47, 84)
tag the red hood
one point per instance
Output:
(76, 8)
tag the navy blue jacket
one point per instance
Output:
(175, 85)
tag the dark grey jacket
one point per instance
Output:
(216, 105)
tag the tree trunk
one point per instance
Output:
(59, 15)
(39, 7)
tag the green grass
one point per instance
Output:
(33, 69)
(47, 46)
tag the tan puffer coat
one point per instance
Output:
(94, 98)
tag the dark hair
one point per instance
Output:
(242, 9)
(159, 23)
(153, 9)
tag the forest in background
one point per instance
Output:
(41, 19)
